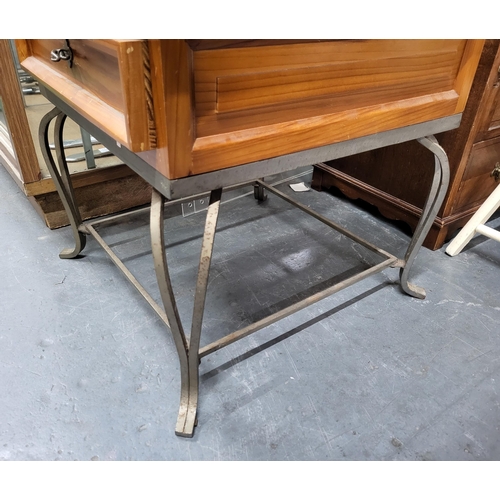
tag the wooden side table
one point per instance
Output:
(214, 115)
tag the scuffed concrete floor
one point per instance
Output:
(88, 373)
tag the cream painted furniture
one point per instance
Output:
(476, 225)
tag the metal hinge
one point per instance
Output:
(195, 206)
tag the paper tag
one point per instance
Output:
(299, 187)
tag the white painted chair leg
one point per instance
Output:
(476, 224)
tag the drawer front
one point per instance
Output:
(107, 82)
(95, 66)
(477, 182)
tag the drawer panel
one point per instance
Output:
(107, 83)
(253, 102)
(95, 66)
(235, 92)
(477, 182)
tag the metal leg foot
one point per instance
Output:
(187, 351)
(259, 192)
(61, 179)
(434, 200)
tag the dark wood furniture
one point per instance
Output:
(396, 178)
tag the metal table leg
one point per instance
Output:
(61, 179)
(433, 203)
(188, 351)
(168, 299)
(87, 148)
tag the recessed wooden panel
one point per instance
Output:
(263, 101)
(95, 66)
(418, 74)
(243, 78)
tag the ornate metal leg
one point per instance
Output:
(434, 200)
(188, 351)
(61, 180)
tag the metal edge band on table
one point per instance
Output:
(188, 347)
(179, 188)
(202, 183)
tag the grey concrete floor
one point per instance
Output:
(87, 372)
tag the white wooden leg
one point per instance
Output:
(489, 232)
(484, 212)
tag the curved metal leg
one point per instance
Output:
(187, 351)
(61, 180)
(168, 299)
(434, 200)
(199, 307)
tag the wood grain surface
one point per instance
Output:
(217, 104)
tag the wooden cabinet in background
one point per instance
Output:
(396, 179)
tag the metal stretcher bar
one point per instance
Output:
(188, 347)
